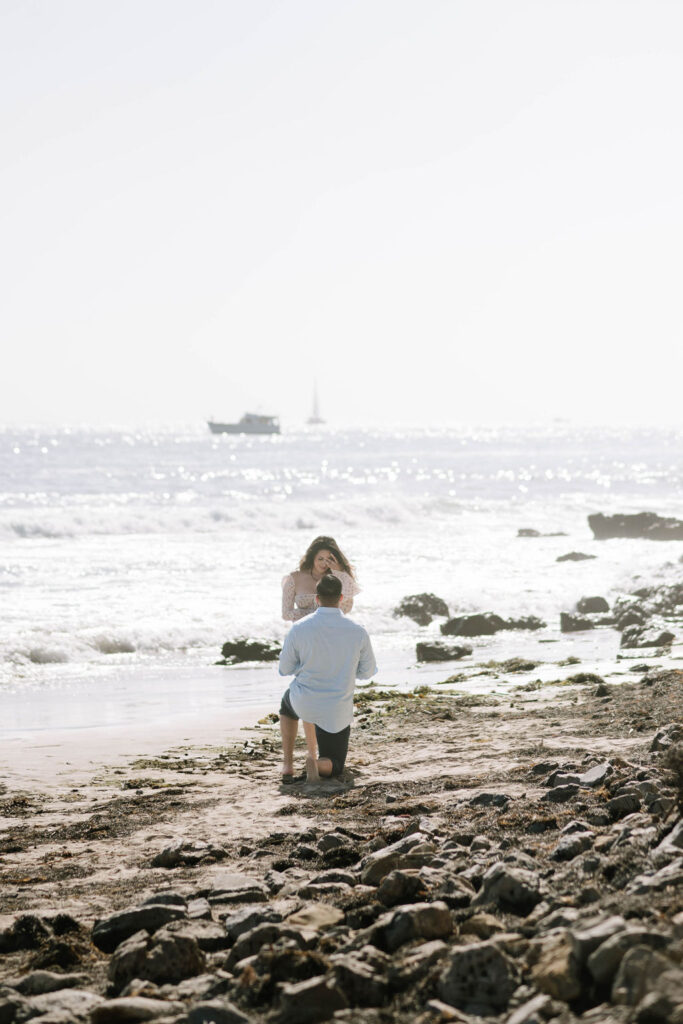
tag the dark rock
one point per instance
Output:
(401, 887)
(163, 958)
(574, 556)
(667, 736)
(527, 532)
(37, 983)
(108, 933)
(421, 608)
(67, 1005)
(574, 623)
(604, 961)
(26, 932)
(619, 806)
(437, 650)
(479, 978)
(216, 1011)
(244, 920)
(166, 898)
(234, 887)
(307, 1002)
(359, 982)
(560, 794)
(208, 935)
(13, 1007)
(131, 1009)
(265, 934)
(646, 525)
(638, 636)
(379, 863)
(592, 605)
(529, 622)
(483, 624)
(586, 939)
(665, 1003)
(416, 964)
(245, 649)
(637, 975)
(416, 921)
(187, 853)
(490, 800)
(513, 890)
(571, 846)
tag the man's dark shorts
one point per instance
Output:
(334, 745)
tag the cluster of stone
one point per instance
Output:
(566, 907)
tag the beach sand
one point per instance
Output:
(83, 819)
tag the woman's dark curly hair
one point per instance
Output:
(325, 544)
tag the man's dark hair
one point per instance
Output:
(329, 589)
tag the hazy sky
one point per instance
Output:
(444, 210)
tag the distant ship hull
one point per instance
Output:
(249, 424)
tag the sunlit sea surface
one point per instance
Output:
(128, 557)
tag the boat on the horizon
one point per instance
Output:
(315, 419)
(251, 423)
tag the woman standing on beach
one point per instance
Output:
(298, 588)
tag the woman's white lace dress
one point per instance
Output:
(297, 606)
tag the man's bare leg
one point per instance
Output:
(315, 766)
(289, 727)
(312, 773)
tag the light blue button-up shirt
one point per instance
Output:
(326, 652)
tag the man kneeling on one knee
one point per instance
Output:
(326, 653)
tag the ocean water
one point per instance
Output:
(127, 557)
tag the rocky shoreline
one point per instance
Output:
(514, 859)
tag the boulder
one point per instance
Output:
(421, 608)
(644, 525)
(591, 605)
(307, 1002)
(416, 921)
(574, 556)
(376, 865)
(482, 624)
(437, 650)
(516, 891)
(187, 853)
(604, 961)
(216, 1011)
(572, 845)
(163, 958)
(557, 971)
(315, 916)
(401, 887)
(235, 887)
(67, 1005)
(574, 623)
(416, 964)
(245, 649)
(132, 1009)
(637, 974)
(359, 981)
(109, 932)
(37, 983)
(529, 622)
(665, 1004)
(479, 978)
(640, 636)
